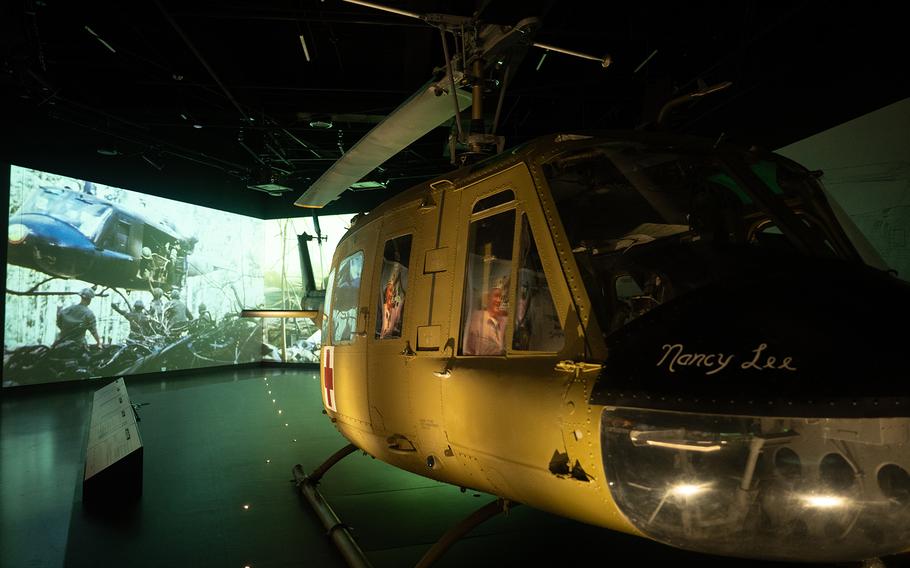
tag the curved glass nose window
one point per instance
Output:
(817, 490)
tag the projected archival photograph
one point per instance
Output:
(102, 281)
(295, 268)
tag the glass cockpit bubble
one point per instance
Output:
(798, 489)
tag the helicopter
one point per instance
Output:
(75, 234)
(661, 335)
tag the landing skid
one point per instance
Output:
(341, 536)
(344, 540)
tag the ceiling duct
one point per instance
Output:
(268, 181)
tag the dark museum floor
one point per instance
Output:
(215, 442)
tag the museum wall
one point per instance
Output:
(102, 281)
(866, 165)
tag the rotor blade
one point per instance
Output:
(426, 109)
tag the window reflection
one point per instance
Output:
(486, 302)
(347, 289)
(537, 325)
(327, 307)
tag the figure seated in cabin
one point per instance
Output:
(486, 329)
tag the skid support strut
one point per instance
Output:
(338, 532)
(468, 524)
(341, 535)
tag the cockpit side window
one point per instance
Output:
(327, 308)
(536, 325)
(485, 306)
(119, 236)
(345, 298)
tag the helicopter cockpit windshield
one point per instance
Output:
(86, 216)
(648, 223)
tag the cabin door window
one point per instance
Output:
(346, 298)
(393, 283)
(119, 237)
(486, 305)
(536, 326)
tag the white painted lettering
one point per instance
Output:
(723, 363)
(667, 350)
(753, 364)
(674, 355)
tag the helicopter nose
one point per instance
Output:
(797, 489)
(817, 338)
(17, 233)
(766, 417)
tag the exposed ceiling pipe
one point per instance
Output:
(301, 142)
(165, 148)
(202, 60)
(245, 146)
(304, 16)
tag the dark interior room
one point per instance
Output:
(350, 283)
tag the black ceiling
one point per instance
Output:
(173, 87)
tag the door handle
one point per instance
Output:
(568, 366)
(446, 371)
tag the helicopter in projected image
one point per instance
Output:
(75, 234)
(661, 335)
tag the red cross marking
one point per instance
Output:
(329, 379)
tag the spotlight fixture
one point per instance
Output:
(321, 121)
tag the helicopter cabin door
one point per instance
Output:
(391, 332)
(509, 311)
(345, 386)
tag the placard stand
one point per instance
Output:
(113, 461)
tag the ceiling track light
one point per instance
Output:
(385, 8)
(645, 62)
(306, 52)
(153, 163)
(99, 38)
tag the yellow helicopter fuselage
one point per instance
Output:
(408, 379)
